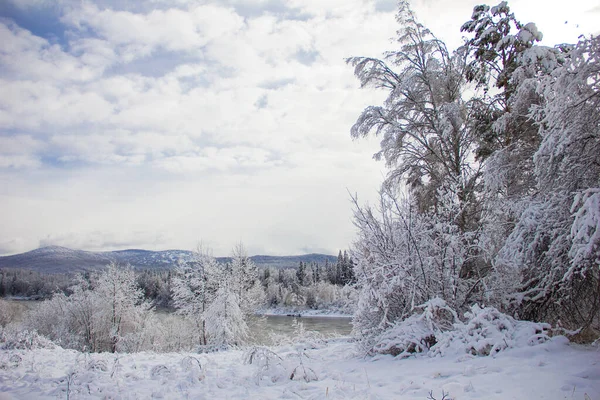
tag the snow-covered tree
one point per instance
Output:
(300, 273)
(345, 268)
(505, 62)
(422, 245)
(244, 280)
(194, 286)
(554, 248)
(122, 305)
(225, 321)
(105, 314)
(425, 142)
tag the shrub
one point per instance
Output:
(436, 330)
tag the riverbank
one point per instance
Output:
(302, 312)
(311, 369)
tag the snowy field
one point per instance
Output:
(321, 370)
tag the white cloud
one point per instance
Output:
(19, 152)
(101, 240)
(214, 159)
(138, 35)
(26, 56)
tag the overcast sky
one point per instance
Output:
(158, 124)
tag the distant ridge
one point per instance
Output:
(56, 259)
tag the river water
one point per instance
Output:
(262, 328)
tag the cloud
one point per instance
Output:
(137, 35)
(20, 151)
(13, 246)
(26, 56)
(99, 240)
(240, 158)
(220, 120)
(31, 4)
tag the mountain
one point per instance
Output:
(56, 259)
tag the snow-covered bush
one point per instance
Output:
(269, 365)
(325, 295)
(272, 367)
(11, 339)
(405, 259)
(303, 371)
(9, 312)
(436, 330)
(194, 369)
(68, 321)
(487, 331)
(170, 332)
(417, 333)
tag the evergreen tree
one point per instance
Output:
(300, 273)
(339, 269)
(317, 269)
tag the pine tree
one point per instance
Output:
(317, 269)
(339, 269)
(300, 273)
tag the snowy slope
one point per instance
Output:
(56, 259)
(552, 370)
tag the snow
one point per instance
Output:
(586, 228)
(555, 369)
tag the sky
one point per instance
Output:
(164, 123)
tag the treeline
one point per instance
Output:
(156, 285)
(32, 284)
(327, 286)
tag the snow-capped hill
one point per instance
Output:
(51, 249)
(57, 259)
(151, 259)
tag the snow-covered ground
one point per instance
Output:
(321, 370)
